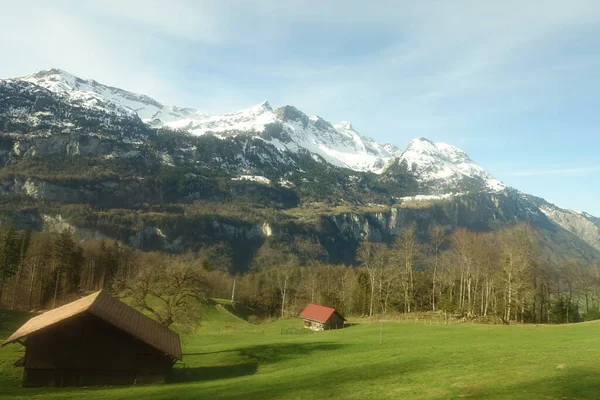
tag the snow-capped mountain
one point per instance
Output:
(253, 119)
(444, 168)
(339, 145)
(292, 157)
(93, 95)
(287, 128)
(440, 167)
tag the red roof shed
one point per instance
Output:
(324, 317)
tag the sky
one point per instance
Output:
(516, 84)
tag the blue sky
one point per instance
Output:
(514, 84)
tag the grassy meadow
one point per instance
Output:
(227, 358)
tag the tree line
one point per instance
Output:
(500, 275)
(43, 270)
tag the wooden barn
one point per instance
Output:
(318, 317)
(96, 340)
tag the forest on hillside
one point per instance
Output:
(496, 276)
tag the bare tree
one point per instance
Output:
(283, 275)
(407, 251)
(349, 288)
(282, 266)
(372, 256)
(437, 237)
(518, 248)
(488, 258)
(168, 289)
(463, 247)
(310, 281)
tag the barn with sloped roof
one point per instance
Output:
(96, 340)
(318, 317)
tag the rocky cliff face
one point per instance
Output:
(583, 225)
(340, 233)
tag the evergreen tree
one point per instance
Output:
(9, 255)
(68, 260)
(24, 238)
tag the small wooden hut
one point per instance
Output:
(96, 340)
(318, 317)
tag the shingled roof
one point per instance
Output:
(318, 313)
(112, 311)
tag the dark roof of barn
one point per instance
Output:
(112, 311)
(318, 313)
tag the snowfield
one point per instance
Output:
(254, 178)
(435, 162)
(286, 128)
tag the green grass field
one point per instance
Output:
(230, 359)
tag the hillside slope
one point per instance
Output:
(116, 164)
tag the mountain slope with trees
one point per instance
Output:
(94, 162)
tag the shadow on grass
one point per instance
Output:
(253, 356)
(333, 383)
(566, 383)
(209, 352)
(198, 374)
(271, 353)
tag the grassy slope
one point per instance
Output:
(230, 359)
(9, 375)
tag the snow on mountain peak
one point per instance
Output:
(444, 166)
(422, 146)
(252, 119)
(91, 94)
(265, 106)
(258, 109)
(340, 144)
(345, 125)
(55, 80)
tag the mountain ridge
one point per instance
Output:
(258, 150)
(339, 144)
(89, 93)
